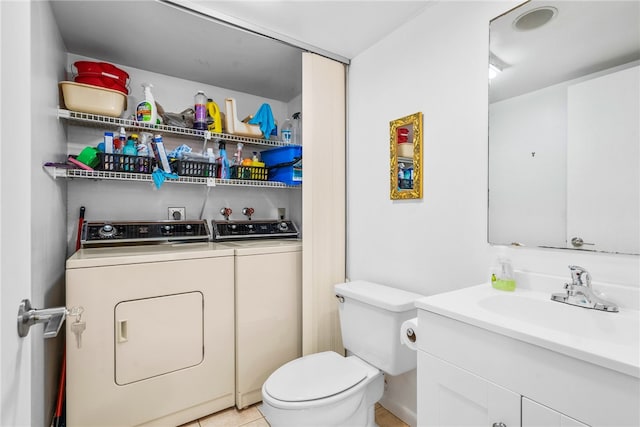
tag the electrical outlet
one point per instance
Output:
(178, 214)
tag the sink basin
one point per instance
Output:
(611, 340)
(576, 321)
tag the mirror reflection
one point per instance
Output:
(564, 134)
(406, 157)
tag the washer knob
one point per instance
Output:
(106, 231)
(283, 226)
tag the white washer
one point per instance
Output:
(268, 287)
(158, 347)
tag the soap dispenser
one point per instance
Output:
(502, 276)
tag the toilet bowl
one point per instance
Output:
(322, 389)
(327, 389)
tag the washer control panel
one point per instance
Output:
(241, 230)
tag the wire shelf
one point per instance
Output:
(101, 121)
(57, 172)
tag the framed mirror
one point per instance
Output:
(405, 136)
(564, 134)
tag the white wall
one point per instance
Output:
(437, 64)
(48, 207)
(33, 209)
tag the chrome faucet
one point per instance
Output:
(579, 292)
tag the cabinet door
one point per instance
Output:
(268, 319)
(450, 396)
(537, 415)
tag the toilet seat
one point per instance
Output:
(313, 377)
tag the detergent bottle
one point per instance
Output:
(215, 125)
(200, 108)
(146, 110)
(130, 147)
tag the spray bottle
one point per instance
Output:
(237, 157)
(296, 138)
(287, 131)
(120, 142)
(146, 110)
(223, 166)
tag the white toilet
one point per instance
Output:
(327, 389)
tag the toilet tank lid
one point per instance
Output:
(385, 297)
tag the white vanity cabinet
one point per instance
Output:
(450, 396)
(535, 415)
(471, 375)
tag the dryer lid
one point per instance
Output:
(313, 377)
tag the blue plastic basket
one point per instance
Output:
(284, 164)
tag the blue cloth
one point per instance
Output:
(264, 117)
(179, 151)
(159, 176)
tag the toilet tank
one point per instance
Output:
(370, 320)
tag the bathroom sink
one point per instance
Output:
(567, 319)
(611, 340)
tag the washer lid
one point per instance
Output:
(313, 377)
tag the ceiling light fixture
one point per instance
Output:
(534, 18)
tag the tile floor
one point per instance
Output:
(252, 417)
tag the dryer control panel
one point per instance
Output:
(114, 233)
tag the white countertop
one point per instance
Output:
(607, 339)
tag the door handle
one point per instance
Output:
(578, 242)
(121, 331)
(29, 316)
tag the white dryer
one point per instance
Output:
(158, 344)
